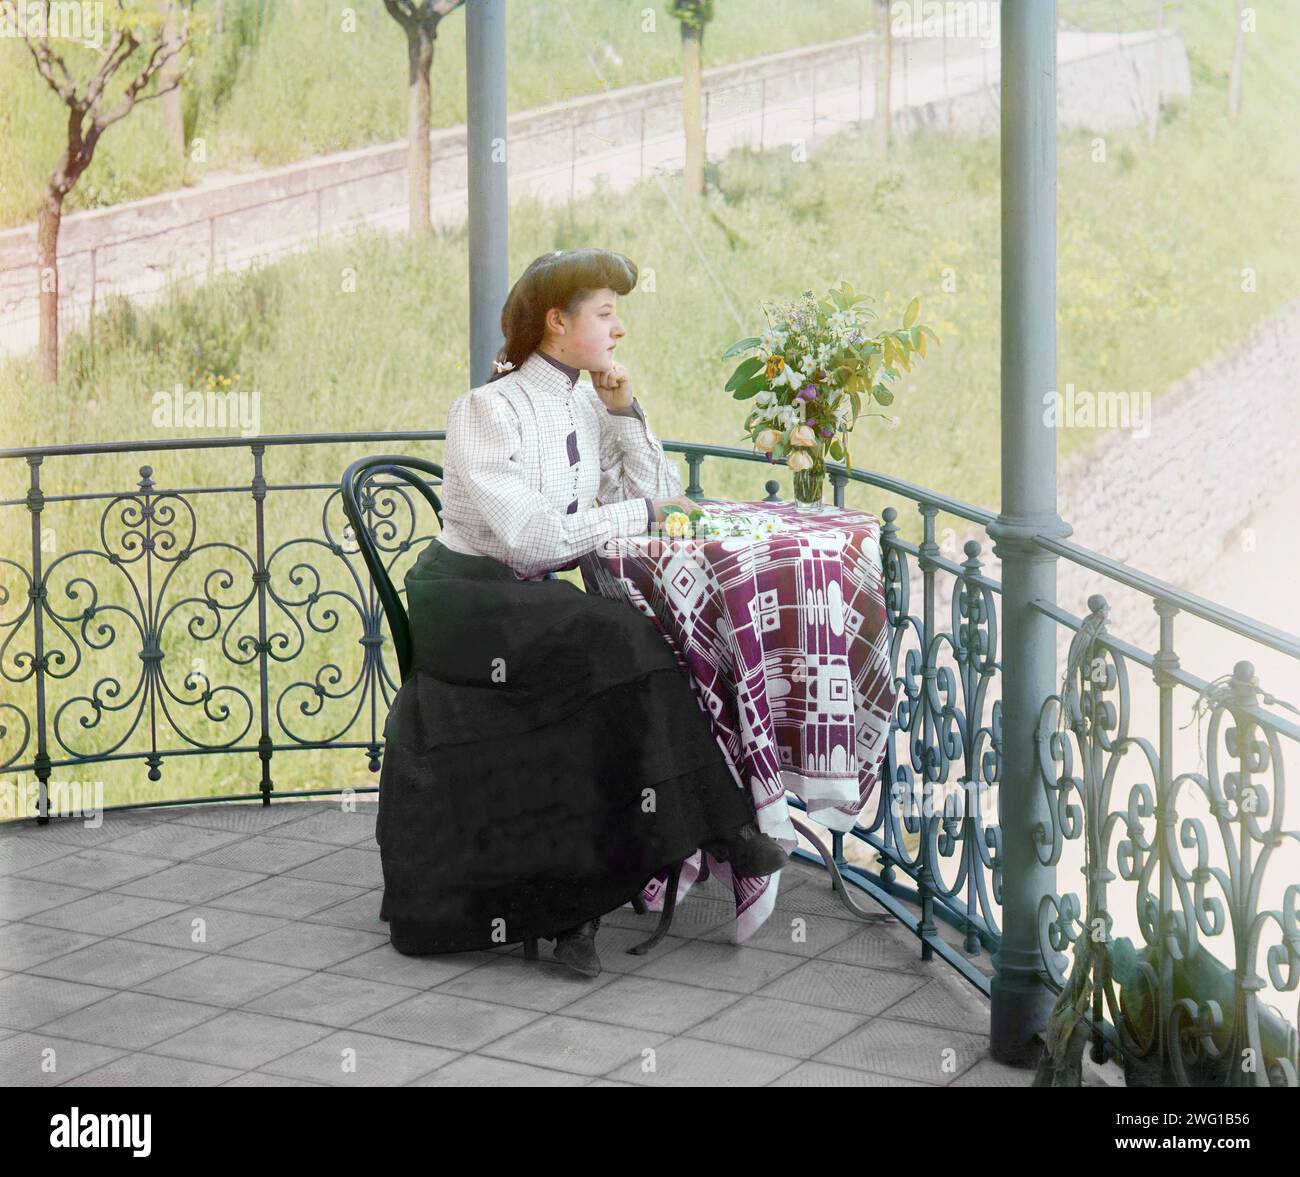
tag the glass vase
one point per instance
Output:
(808, 485)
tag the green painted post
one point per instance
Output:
(1020, 1001)
(489, 205)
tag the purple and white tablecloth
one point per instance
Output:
(786, 642)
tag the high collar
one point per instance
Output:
(556, 378)
(570, 372)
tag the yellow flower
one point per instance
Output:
(800, 460)
(774, 366)
(802, 435)
(677, 525)
(766, 440)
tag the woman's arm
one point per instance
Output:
(481, 454)
(632, 460)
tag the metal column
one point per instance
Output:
(489, 207)
(1020, 1001)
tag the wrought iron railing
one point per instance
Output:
(1184, 1000)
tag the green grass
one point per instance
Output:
(259, 100)
(1152, 244)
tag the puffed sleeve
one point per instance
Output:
(482, 452)
(632, 460)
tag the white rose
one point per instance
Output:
(800, 460)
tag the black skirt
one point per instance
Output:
(545, 759)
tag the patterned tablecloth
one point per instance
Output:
(786, 642)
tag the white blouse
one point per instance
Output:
(526, 457)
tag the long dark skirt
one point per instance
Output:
(544, 760)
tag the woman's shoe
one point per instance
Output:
(576, 947)
(749, 853)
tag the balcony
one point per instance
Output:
(297, 968)
(207, 637)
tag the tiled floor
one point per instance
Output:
(242, 945)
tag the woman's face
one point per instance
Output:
(586, 340)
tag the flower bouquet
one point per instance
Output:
(715, 524)
(814, 363)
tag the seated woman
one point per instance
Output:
(547, 756)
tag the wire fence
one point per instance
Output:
(557, 154)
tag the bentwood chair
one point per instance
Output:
(358, 494)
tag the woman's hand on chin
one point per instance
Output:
(613, 386)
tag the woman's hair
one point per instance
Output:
(564, 279)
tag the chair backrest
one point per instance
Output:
(355, 481)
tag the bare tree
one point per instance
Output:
(173, 106)
(137, 49)
(694, 16)
(419, 20)
(884, 79)
(1238, 54)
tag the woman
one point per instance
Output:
(548, 756)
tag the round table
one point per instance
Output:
(786, 642)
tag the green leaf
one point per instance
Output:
(926, 330)
(913, 310)
(837, 451)
(883, 395)
(751, 387)
(741, 345)
(916, 337)
(744, 370)
(856, 401)
(673, 509)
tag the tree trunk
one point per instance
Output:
(47, 269)
(884, 79)
(1234, 79)
(173, 100)
(692, 114)
(1153, 122)
(419, 44)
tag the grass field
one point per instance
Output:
(1152, 247)
(258, 100)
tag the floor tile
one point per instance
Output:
(778, 1027)
(105, 914)
(721, 966)
(478, 1071)
(331, 999)
(572, 1044)
(221, 980)
(98, 869)
(150, 1070)
(188, 882)
(843, 986)
(264, 854)
(928, 1053)
(308, 946)
(688, 1062)
(24, 945)
(240, 1039)
(130, 1020)
(646, 1004)
(440, 1019)
(543, 985)
(352, 1059)
(204, 929)
(45, 1060)
(120, 964)
(291, 898)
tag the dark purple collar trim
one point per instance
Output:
(571, 373)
